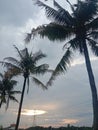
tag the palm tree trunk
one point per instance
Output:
(1, 103)
(93, 87)
(7, 104)
(20, 105)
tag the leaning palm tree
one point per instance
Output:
(7, 91)
(26, 65)
(81, 29)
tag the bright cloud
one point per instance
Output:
(69, 121)
(27, 112)
(80, 61)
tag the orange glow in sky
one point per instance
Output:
(69, 121)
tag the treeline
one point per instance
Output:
(60, 128)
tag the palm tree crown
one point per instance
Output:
(26, 65)
(7, 91)
(80, 25)
(80, 29)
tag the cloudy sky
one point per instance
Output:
(68, 100)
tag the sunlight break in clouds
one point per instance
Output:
(80, 61)
(27, 112)
(69, 121)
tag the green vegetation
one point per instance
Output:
(81, 29)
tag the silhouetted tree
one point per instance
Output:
(7, 91)
(81, 28)
(26, 65)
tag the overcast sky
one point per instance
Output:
(68, 100)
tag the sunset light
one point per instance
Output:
(48, 64)
(27, 112)
(69, 121)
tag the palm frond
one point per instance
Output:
(91, 9)
(7, 89)
(85, 11)
(39, 83)
(37, 56)
(94, 34)
(72, 7)
(50, 70)
(2, 97)
(1, 86)
(7, 75)
(41, 69)
(1, 102)
(14, 92)
(12, 60)
(8, 64)
(34, 32)
(55, 31)
(75, 43)
(24, 52)
(93, 24)
(61, 67)
(14, 71)
(13, 98)
(64, 13)
(28, 37)
(60, 16)
(10, 98)
(58, 6)
(1, 75)
(13, 82)
(94, 46)
(18, 52)
(71, 43)
(93, 6)
(52, 31)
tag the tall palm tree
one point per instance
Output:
(80, 27)
(26, 65)
(7, 91)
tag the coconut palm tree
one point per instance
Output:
(80, 27)
(26, 65)
(7, 91)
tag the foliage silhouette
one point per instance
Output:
(81, 28)
(27, 66)
(7, 91)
